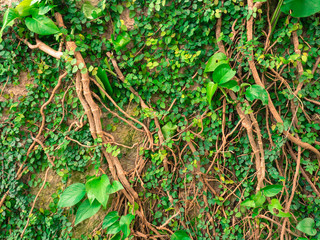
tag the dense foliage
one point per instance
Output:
(226, 107)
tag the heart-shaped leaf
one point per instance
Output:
(114, 187)
(211, 89)
(222, 74)
(257, 92)
(41, 25)
(276, 209)
(215, 61)
(301, 8)
(96, 188)
(307, 226)
(86, 210)
(272, 190)
(72, 195)
(110, 219)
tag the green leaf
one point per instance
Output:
(272, 190)
(235, 88)
(103, 95)
(8, 19)
(75, 69)
(168, 130)
(24, 8)
(44, 9)
(180, 235)
(127, 219)
(307, 226)
(301, 8)
(125, 222)
(86, 210)
(105, 80)
(110, 219)
(275, 208)
(274, 204)
(248, 203)
(41, 25)
(114, 228)
(125, 230)
(116, 236)
(114, 187)
(257, 92)
(256, 211)
(229, 84)
(120, 8)
(222, 74)
(121, 41)
(211, 89)
(72, 195)
(90, 11)
(259, 199)
(96, 188)
(215, 61)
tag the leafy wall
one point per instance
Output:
(200, 153)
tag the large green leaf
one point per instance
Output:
(24, 8)
(72, 195)
(41, 25)
(86, 210)
(114, 187)
(257, 92)
(222, 74)
(272, 190)
(301, 8)
(307, 226)
(276, 209)
(211, 89)
(110, 219)
(8, 19)
(180, 235)
(215, 61)
(96, 188)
